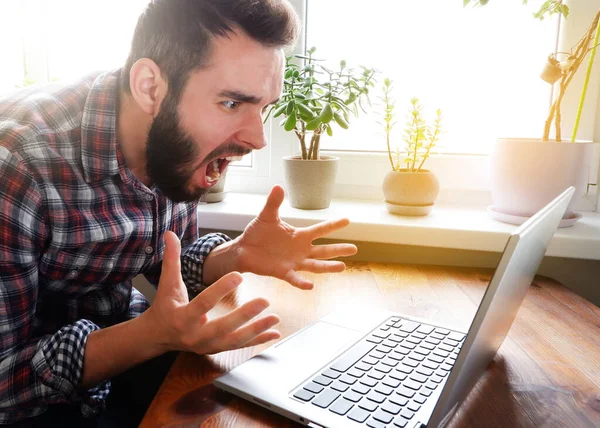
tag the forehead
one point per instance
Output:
(238, 62)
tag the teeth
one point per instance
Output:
(234, 158)
(215, 174)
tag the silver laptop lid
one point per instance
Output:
(505, 293)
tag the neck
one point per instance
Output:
(132, 132)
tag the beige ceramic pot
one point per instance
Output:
(526, 174)
(410, 193)
(309, 183)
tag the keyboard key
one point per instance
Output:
(411, 384)
(427, 345)
(360, 388)
(368, 405)
(418, 377)
(362, 366)
(425, 329)
(409, 326)
(435, 359)
(313, 387)
(392, 408)
(368, 381)
(341, 406)
(422, 351)
(424, 371)
(437, 336)
(426, 392)
(383, 349)
(389, 362)
(352, 396)
(446, 348)
(441, 353)
(352, 355)
(416, 356)
(331, 374)
(410, 362)
(430, 365)
(395, 338)
(412, 340)
(359, 415)
(418, 335)
(431, 385)
(437, 379)
(347, 379)
(326, 398)
(420, 399)
(441, 373)
(383, 368)
(407, 414)
(397, 375)
(304, 395)
(338, 386)
(442, 331)
(383, 389)
(413, 406)
(376, 397)
(354, 372)
(381, 334)
(373, 423)
(391, 382)
(456, 336)
(375, 340)
(402, 350)
(389, 343)
(370, 360)
(405, 392)
(382, 416)
(450, 343)
(400, 422)
(322, 380)
(398, 400)
(376, 374)
(404, 369)
(395, 356)
(386, 328)
(377, 354)
(433, 341)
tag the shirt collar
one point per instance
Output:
(101, 156)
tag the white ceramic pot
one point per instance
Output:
(526, 174)
(410, 193)
(309, 183)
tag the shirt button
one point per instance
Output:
(149, 197)
(72, 274)
(149, 250)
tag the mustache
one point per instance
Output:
(231, 149)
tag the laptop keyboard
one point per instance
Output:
(386, 378)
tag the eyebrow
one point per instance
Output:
(244, 98)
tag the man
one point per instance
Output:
(99, 182)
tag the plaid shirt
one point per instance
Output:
(75, 227)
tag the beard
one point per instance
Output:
(170, 155)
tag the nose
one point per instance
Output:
(254, 132)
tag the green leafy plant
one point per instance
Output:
(316, 98)
(548, 8)
(419, 137)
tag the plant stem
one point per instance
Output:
(587, 79)
(387, 138)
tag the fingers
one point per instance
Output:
(171, 264)
(270, 212)
(207, 300)
(325, 228)
(319, 266)
(254, 333)
(332, 250)
(297, 281)
(233, 320)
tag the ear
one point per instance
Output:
(148, 87)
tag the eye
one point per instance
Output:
(231, 105)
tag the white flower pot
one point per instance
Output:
(410, 193)
(526, 174)
(309, 183)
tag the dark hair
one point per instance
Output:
(177, 34)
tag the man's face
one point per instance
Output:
(220, 115)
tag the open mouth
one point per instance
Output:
(216, 168)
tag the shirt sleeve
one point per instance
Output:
(34, 371)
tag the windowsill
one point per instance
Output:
(448, 226)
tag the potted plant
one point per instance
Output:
(316, 99)
(526, 174)
(408, 188)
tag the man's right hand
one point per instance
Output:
(183, 325)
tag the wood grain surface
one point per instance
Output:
(546, 374)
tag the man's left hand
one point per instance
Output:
(272, 247)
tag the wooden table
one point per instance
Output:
(546, 374)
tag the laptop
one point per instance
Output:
(385, 369)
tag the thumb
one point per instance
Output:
(171, 266)
(270, 212)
